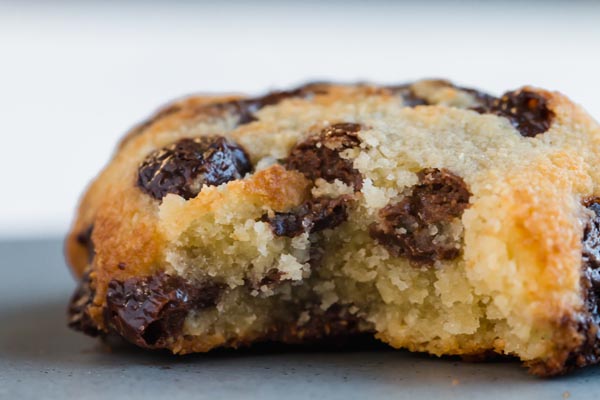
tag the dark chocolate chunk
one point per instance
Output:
(148, 311)
(418, 227)
(587, 323)
(335, 322)
(527, 111)
(411, 99)
(591, 264)
(246, 108)
(319, 155)
(78, 311)
(84, 239)
(183, 167)
(312, 216)
(440, 195)
(591, 240)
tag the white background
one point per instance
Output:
(74, 77)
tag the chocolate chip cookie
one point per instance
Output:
(434, 217)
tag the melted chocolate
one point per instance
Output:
(78, 311)
(183, 167)
(527, 111)
(312, 216)
(319, 155)
(412, 228)
(334, 323)
(149, 311)
(589, 324)
(247, 108)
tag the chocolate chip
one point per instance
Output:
(411, 99)
(581, 347)
(587, 323)
(84, 239)
(78, 311)
(319, 155)
(148, 311)
(335, 322)
(419, 226)
(527, 111)
(247, 108)
(591, 260)
(439, 196)
(408, 95)
(183, 167)
(312, 216)
(591, 237)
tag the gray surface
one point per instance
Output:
(41, 359)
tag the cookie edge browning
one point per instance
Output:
(578, 334)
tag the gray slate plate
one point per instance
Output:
(41, 359)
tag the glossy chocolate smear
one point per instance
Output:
(183, 167)
(312, 216)
(78, 311)
(148, 311)
(417, 227)
(527, 111)
(319, 155)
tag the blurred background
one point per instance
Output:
(74, 76)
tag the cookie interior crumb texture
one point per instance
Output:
(436, 218)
